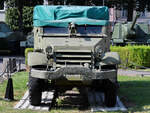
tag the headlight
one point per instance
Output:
(49, 49)
(98, 50)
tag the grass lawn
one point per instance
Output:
(134, 92)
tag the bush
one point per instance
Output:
(27, 50)
(133, 55)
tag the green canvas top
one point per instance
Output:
(60, 16)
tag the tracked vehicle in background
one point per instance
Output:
(131, 33)
(72, 49)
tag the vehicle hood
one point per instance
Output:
(73, 44)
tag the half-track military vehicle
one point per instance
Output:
(131, 33)
(72, 49)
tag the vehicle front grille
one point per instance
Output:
(72, 58)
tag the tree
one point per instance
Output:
(1, 4)
(20, 7)
(130, 10)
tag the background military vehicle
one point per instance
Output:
(131, 33)
(9, 40)
(72, 49)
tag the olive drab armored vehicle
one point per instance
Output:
(72, 49)
(9, 40)
(131, 33)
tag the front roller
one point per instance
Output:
(110, 93)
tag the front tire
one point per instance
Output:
(35, 91)
(110, 94)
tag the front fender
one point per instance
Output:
(110, 58)
(36, 58)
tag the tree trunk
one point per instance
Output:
(19, 4)
(130, 10)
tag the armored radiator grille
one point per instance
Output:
(72, 58)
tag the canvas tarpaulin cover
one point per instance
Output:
(61, 16)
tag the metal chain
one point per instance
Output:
(6, 67)
(4, 70)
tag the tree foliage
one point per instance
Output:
(141, 5)
(12, 18)
(18, 3)
(19, 14)
(76, 2)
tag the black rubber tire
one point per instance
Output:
(35, 91)
(110, 94)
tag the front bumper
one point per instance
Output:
(74, 73)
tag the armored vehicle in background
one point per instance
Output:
(131, 33)
(9, 40)
(72, 49)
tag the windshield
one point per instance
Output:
(79, 29)
(89, 29)
(59, 30)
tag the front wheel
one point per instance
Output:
(110, 94)
(35, 91)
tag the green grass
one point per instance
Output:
(134, 92)
(19, 83)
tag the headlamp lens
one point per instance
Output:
(49, 49)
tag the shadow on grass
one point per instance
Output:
(135, 94)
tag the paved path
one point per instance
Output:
(133, 72)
